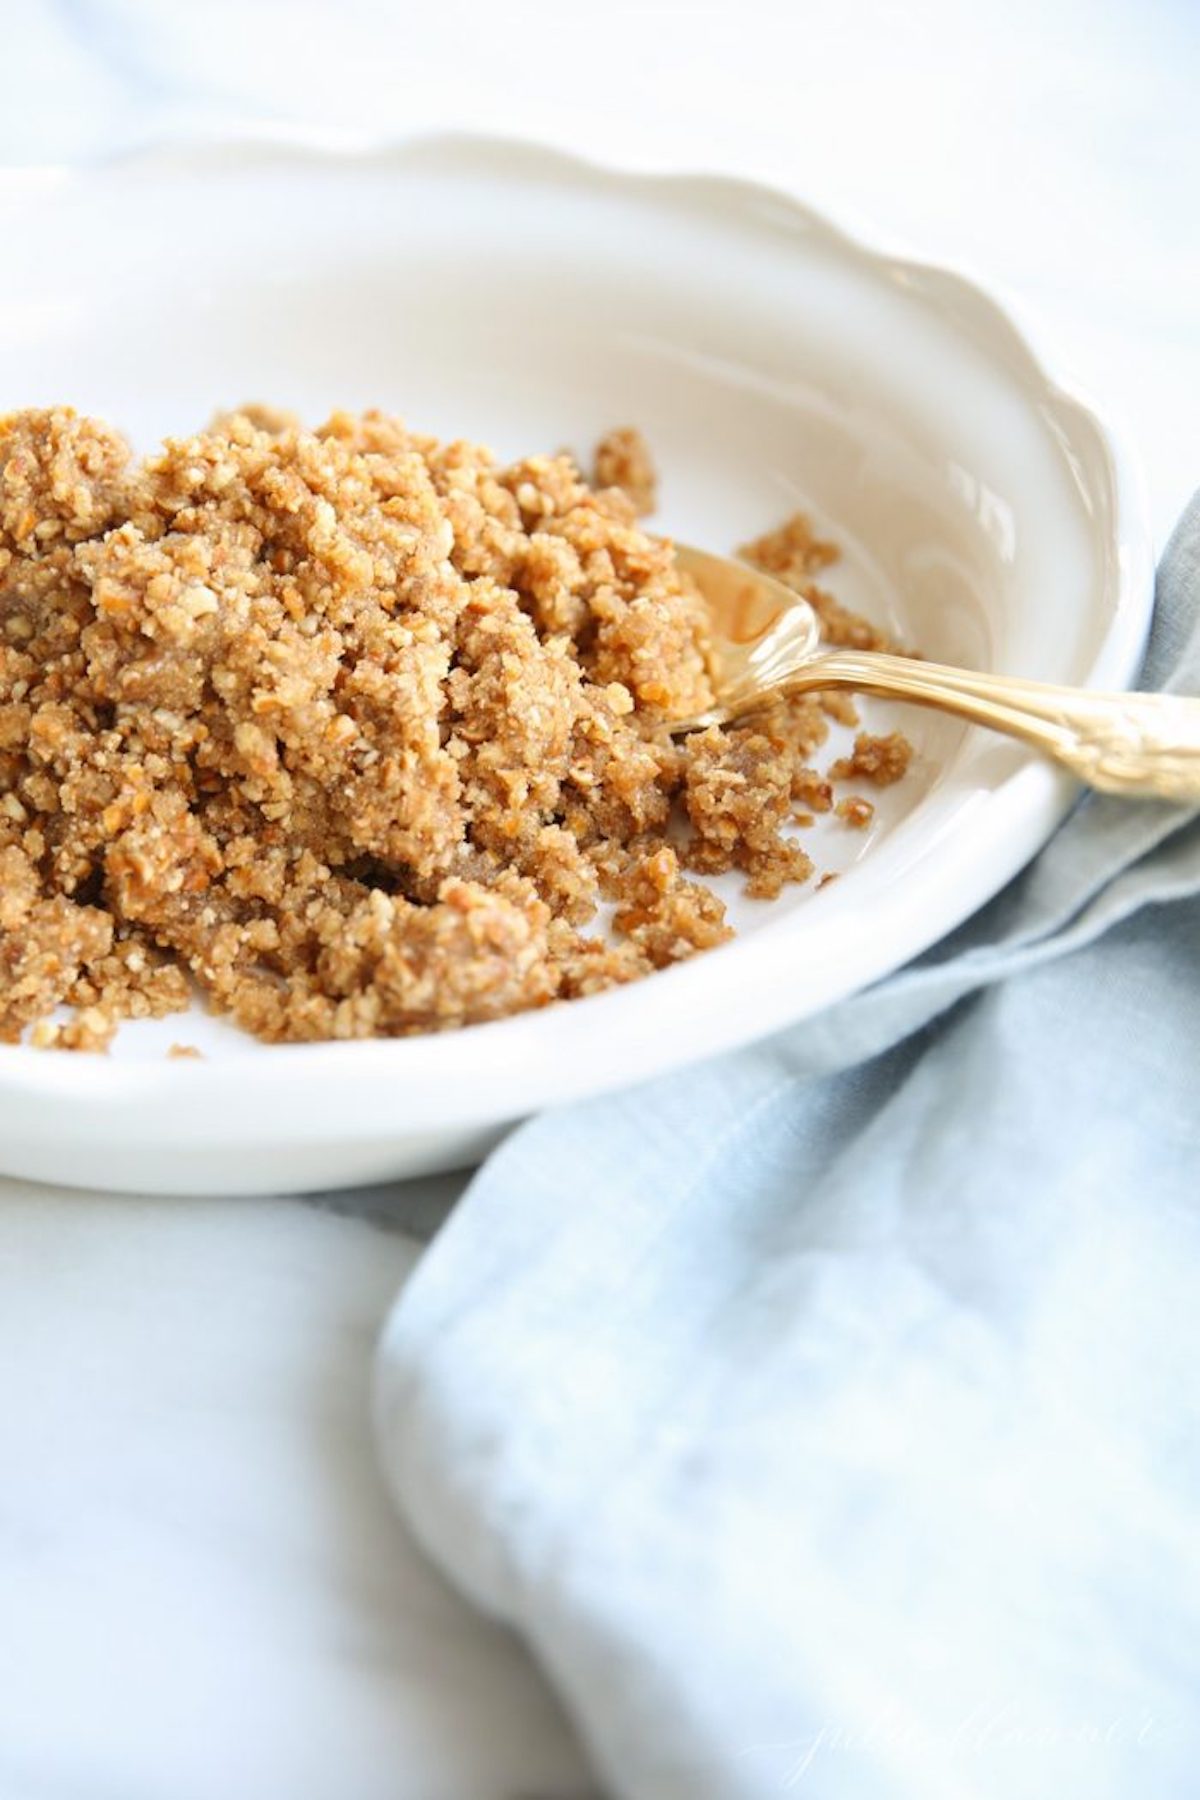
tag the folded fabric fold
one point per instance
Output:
(824, 1416)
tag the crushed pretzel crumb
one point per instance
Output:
(622, 460)
(882, 760)
(354, 730)
(855, 811)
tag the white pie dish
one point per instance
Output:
(517, 296)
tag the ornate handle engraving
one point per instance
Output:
(1138, 744)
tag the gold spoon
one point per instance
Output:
(767, 642)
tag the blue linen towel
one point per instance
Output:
(825, 1417)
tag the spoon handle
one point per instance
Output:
(1135, 744)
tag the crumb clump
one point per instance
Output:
(793, 554)
(856, 811)
(622, 460)
(882, 760)
(354, 730)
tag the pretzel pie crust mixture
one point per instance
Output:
(354, 730)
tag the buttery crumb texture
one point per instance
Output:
(354, 730)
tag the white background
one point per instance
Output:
(203, 1594)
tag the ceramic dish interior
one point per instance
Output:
(520, 298)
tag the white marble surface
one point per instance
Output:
(203, 1593)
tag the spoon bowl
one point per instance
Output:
(766, 643)
(763, 632)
